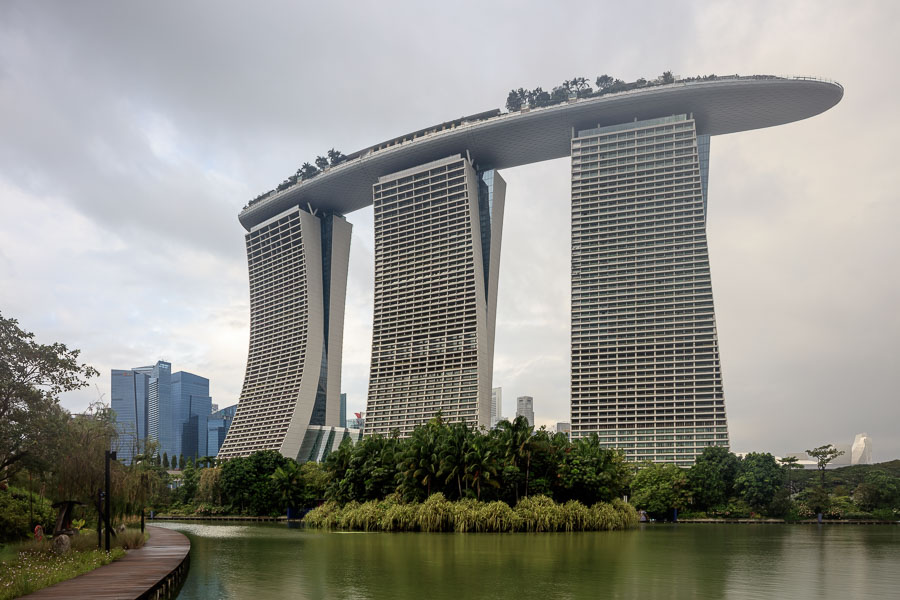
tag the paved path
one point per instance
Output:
(130, 577)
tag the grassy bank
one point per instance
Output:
(30, 566)
(534, 514)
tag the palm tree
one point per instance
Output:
(453, 454)
(421, 462)
(288, 484)
(481, 464)
(514, 438)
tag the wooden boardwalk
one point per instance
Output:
(152, 571)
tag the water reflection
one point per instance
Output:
(657, 561)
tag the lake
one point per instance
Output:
(260, 561)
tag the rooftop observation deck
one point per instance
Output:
(494, 140)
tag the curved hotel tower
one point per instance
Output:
(646, 375)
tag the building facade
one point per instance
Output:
(645, 372)
(525, 408)
(152, 403)
(298, 280)
(496, 405)
(437, 252)
(646, 375)
(217, 427)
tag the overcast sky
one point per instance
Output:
(131, 134)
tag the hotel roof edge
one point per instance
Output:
(721, 106)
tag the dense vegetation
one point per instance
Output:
(533, 514)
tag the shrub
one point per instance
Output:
(497, 517)
(539, 513)
(435, 514)
(399, 517)
(324, 516)
(575, 516)
(466, 514)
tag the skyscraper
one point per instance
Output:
(525, 408)
(217, 425)
(152, 403)
(645, 358)
(437, 252)
(298, 279)
(496, 405)
(645, 355)
(190, 396)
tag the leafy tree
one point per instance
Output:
(165, 461)
(789, 463)
(538, 97)
(181, 460)
(421, 462)
(658, 488)
(174, 463)
(603, 82)
(32, 376)
(514, 101)
(209, 487)
(247, 481)
(513, 439)
(335, 157)
(711, 478)
(454, 451)
(315, 481)
(667, 77)
(307, 171)
(189, 481)
(321, 162)
(590, 473)
(824, 455)
(481, 464)
(758, 479)
(79, 469)
(578, 86)
(879, 490)
(288, 485)
(559, 95)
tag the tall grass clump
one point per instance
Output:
(539, 513)
(324, 516)
(628, 514)
(400, 517)
(466, 514)
(435, 514)
(575, 516)
(497, 517)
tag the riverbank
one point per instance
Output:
(156, 571)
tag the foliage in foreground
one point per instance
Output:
(437, 514)
(34, 569)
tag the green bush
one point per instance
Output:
(15, 523)
(435, 514)
(497, 517)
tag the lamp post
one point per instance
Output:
(110, 455)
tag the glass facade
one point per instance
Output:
(154, 403)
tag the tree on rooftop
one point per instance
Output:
(516, 100)
(307, 171)
(603, 82)
(667, 77)
(321, 162)
(335, 157)
(578, 86)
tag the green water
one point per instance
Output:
(658, 561)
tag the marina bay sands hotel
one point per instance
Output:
(645, 369)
